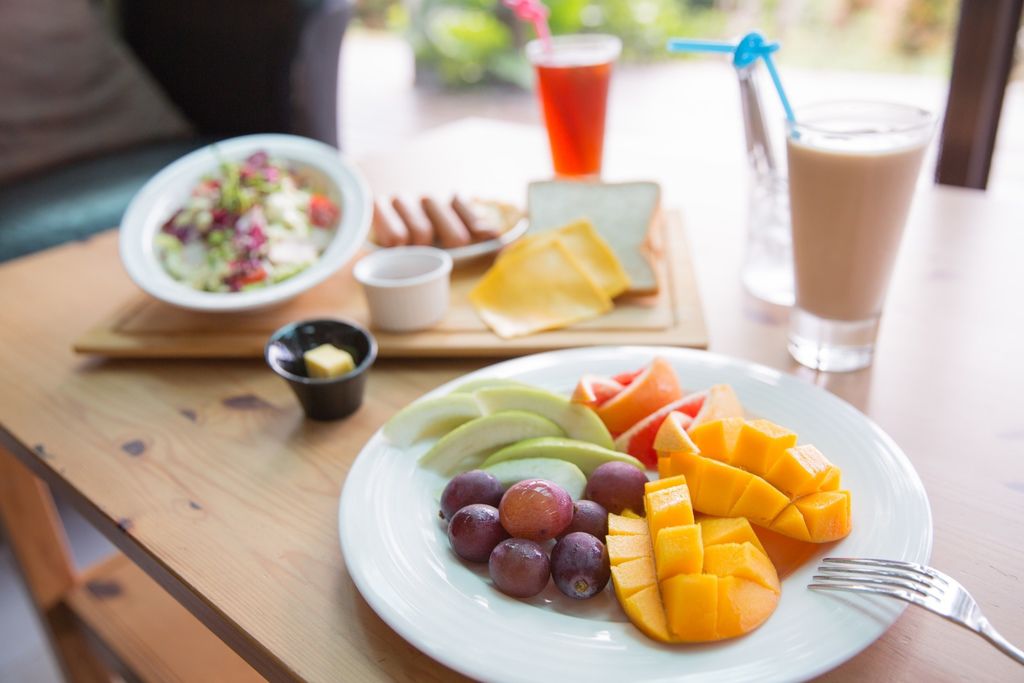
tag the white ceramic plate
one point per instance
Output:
(471, 252)
(165, 192)
(398, 555)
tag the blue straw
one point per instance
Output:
(751, 48)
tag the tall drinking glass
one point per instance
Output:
(572, 82)
(852, 171)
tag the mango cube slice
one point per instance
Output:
(667, 482)
(668, 507)
(619, 525)
(691, 606)
(625, 548)
(799, 470)
(742, 560)
(326, 361)
(760, 501)
(633, 576)
(759, 445)
(826, 514)
(832, 480)
(718, 438)
(664, 465)
(720, 487)
(791, 523)
(644, 608)
(689, 465)
(716, 530)
(678, 550)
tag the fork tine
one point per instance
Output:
(885, 582)
(910, 580)
(890, 564)
(897, 593)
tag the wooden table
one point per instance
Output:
(213, 486)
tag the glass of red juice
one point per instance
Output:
(572, 81)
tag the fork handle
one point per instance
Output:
(992, 636)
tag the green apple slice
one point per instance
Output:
(430, 417)
(587, 456)
(467, 445)
(486, 383)
(561, 472)
(577, 421)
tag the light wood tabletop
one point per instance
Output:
(207, 477)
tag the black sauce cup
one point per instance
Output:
(322, 399)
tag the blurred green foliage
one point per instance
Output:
(465, 42)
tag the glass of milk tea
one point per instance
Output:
(852, 171)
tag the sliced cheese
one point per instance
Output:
(535, 289)
(589, 248)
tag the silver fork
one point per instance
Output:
(913, 583)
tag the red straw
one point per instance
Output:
(535, 12)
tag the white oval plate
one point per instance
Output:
(161, 196)
(397, 552)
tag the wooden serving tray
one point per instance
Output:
(147, 328)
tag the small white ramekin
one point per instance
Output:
(407, 288)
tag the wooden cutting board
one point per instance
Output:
(147, 328)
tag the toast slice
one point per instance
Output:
(622, 214)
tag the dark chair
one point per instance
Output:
(231, 66)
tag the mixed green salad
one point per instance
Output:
(252, 224)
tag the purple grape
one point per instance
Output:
(579, 565)
(617, 486)
(474, 531)
(519, 567)
(588, 517)
(535, 509)
(475, 486)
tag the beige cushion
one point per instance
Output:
(68, 89)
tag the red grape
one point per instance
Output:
(617, 486)
(519, 567)
(474, 531)
(588, 517)
(535, 509)
(579, 565)
(475, 486)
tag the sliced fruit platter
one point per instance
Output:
(630, 507)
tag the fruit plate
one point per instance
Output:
(398, 555)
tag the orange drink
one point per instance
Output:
(572, 83)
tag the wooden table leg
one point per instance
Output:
(36, 535)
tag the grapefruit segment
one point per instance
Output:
(721, 402)
(656, 386)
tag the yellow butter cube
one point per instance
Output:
(327, 360)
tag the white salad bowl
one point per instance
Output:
(169, 189)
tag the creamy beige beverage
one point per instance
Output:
(849, 207)
(852, 171)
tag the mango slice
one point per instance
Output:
(621, 525)
(702, 581)
(717, 439)
(718, 530)
(754, 469)
(633, 576)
